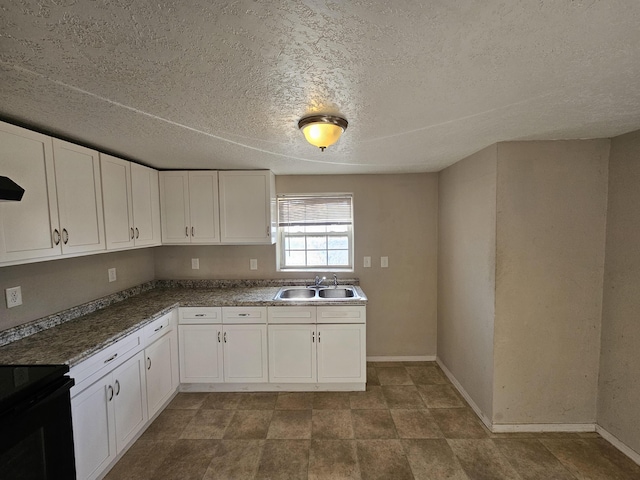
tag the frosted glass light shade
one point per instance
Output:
(322, 131)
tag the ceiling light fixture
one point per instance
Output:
(322, 130)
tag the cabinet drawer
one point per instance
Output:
(105, 360)
(342, 314)
(158, 328)
(195, 315)
(244, 315)
(282, 315)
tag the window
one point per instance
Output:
(315, 232)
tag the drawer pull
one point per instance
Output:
(111, 358)
(244, 314)
(159, 328)
(200, 314)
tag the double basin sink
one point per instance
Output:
(341, 292)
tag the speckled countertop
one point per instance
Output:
(74, 340)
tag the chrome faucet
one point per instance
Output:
(318, 281)
(335, 280)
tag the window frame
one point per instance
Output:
(281, 236)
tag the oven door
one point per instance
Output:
(37, 437)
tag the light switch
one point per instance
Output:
(253, 264)
(367, 262)
(195, 263)
(384, 262)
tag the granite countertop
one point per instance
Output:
(75, 340)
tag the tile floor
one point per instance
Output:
(411, 423)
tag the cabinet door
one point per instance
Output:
(130, 398)
(245, 353)
(94, 436)
(247, 203)
(116, 195)
(292, 353)
(160, 381)
(29, 228)
(203, 207)
(146, 205)
(174, 207)
(79, 197)
(200, 353)
(341, 353)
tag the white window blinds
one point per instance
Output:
(316, 210)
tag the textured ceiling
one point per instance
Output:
(212, 84)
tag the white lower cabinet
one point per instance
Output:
(161, 362)
(223, 345)
(322, 353)
(200, 353)
(245, 353)
(107, 416)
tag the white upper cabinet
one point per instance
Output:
(247, 207)
(79, 197)
(118, 209)
(145, 192)
(61, 210)
(29, 229)
(131, 203)
(189, 207)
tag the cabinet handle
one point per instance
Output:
(56, 237)
(200, 314)
(65, 236)
(225, 337)
(148, 363)
(110, 388)
(218, 337)
(244, 314)
(193, 231)
(268, 231)
(112, 357)
(131, 233)
(318, 337)
(118, 385)
(186, 231)
(159, 328)
(313, 337)
(137, 233)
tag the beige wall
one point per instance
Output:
(551, 213)
(466, 273)
(619, 383)
(52, 286)
(395, 216)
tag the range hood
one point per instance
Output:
(10, 191)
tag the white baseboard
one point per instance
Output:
(542, 427)
(273, 387)
(624, 448)
(486, 420)
(402, 358)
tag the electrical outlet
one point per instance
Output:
(384, 262)
(195, 263)
(253, 264)
(14, 297)
(367, 262)
(112, 275)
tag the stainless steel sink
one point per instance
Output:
(294, 293)
(341, 292)
(337, 292)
